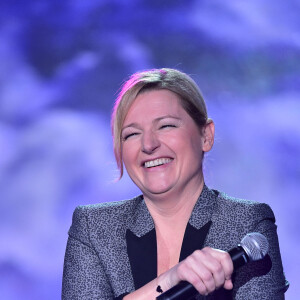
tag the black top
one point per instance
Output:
(142, 252)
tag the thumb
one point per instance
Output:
(228, 285)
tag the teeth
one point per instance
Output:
(157, 162)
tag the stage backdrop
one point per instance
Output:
(61, 64)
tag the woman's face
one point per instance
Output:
(162, 146)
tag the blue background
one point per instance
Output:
(61, 64)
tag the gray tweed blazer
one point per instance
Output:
(111, 249)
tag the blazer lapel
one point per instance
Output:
(141, 246)
(141, 237)
(193, 239)
(204, 208)
(142, 255)
(199, 223)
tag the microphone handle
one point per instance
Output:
(238, 256)
(181, 291)
(185, 291)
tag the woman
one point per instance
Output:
(139, 248)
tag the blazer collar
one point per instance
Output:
(141, 236)
(204, 208)
(141, 222)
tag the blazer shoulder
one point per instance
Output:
(87, 218)
(233, 218)
(235, 207)
(122, 206)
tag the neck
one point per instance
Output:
(174, 206)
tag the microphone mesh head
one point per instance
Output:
(255, 245)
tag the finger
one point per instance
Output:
(186, 272)
(208, 269)
(225, 260)
(228, 285)
(214, 266)
(199, 285)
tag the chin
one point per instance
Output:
(162, 190)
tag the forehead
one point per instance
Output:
(154, 103)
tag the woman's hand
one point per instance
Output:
(207, 270)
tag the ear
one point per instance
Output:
(208, 135)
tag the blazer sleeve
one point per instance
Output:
(263, 279)
(83, 274)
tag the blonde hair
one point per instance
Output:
(155, 79)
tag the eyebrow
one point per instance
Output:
(155, 120)
(130, 125)
(166, 117)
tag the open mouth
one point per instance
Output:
(157, 162)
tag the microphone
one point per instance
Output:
(254, 246)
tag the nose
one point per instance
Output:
(150, 142)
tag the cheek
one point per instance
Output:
(185, 142)
(190, 146)
(197, 144)
(128, 154)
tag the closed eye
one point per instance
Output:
(127, 136)
(168, 126)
